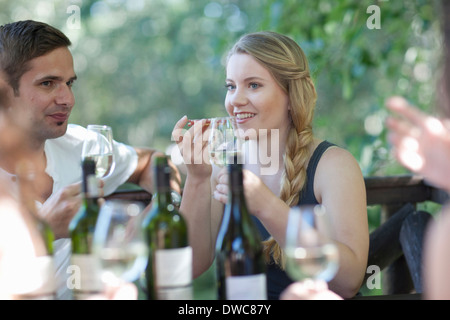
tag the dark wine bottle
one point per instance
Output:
(240, 265)
(40, 270)
(86, 275)
(169, 268)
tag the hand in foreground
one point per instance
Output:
(420, 142)
(309, 290)
(257, 193)
(61, 207)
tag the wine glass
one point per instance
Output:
(98, 146)
(223, 142)
(119, 241)
(310, 251)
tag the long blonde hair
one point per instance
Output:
(287, 63)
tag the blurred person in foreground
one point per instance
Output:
(37, 75)
(421, 143)
(270, 90)
(16, 243)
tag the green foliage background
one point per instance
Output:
(143, 64)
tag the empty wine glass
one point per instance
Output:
(310, 251)
(119, 242)
(98, 146)
(223, 141)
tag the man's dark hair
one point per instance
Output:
(23, 41)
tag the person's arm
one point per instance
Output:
(197, 205)
(339, 187)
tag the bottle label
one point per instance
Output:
(88, 280)
(93, 190)
(177, 293)
(37, 279)
(252, 287)
(173, 269)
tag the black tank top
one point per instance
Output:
(277, 279)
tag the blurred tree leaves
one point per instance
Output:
(143, 64)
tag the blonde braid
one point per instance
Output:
(292, 183)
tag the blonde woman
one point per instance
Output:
(271, 93)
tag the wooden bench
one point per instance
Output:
(396, 245)
(134, 194)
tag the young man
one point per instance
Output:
(37, 73)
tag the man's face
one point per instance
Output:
(45, 98)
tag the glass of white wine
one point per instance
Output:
(98, 146)
(119, 241)
(310, 251)
(223, 142)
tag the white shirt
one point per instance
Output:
(64, 166)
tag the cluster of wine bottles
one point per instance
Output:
(239, 258)
(169, 269)
(240, 264)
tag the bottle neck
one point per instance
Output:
(90, 187)
(163, 195)
(236, 197)
(90, 183)
(163, 198)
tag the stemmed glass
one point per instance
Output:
(310, 251)
(119, 241)
(223, 142)
(99, 146)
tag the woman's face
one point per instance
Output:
(254, 96)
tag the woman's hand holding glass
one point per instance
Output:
(207, 141)
(192, 145)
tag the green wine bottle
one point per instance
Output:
(169, 268)
(40, 270)
(240, 265)
(86, 275)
